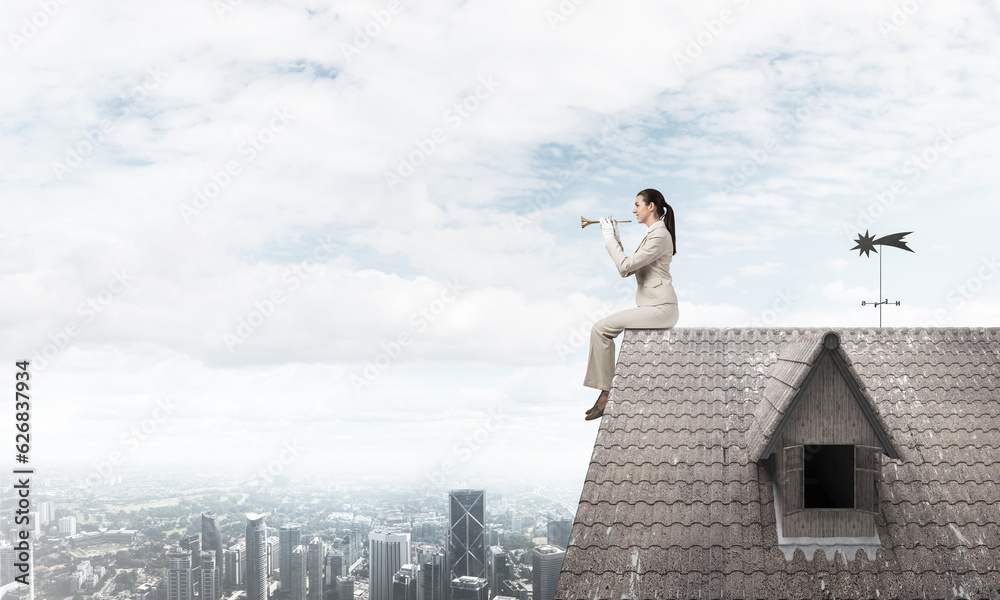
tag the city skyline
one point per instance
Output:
(167, 523)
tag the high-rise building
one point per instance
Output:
(493, 536)
(256, 561)
(192, 544)
(34, 524)
(345, 588)
(211, 540)
(209, 576)
(179, 582)
(386, 554)
(352, 547)
(469, 588)
(514, 589)
(334, 567)
(558, 532)
(6, 563)
(546, 562)
(467, 544)
(404, 583)
(433, 573)
(67, 526)
(271, 545)
(236, 565)
(314, 568)
(297, 572)
(46, 512)
(497, 568)
(289, 537)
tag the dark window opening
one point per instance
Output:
(829, 476)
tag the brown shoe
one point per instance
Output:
(605, 395)
(597, 414)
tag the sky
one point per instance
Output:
(303, 237)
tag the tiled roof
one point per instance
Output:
(675, 507)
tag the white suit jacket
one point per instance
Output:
(651, 264)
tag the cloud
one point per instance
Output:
(795, 127)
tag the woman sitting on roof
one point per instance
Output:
(655, 296)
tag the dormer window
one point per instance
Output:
(828, 473)
(831, 477)
(825, 442)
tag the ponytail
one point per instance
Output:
(663, 210)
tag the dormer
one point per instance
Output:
(825, 442)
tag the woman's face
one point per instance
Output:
(642, 211)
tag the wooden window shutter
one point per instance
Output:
(793, 488)
(867, 474)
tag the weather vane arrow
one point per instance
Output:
(866, 245)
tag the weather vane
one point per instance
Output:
(866, 245)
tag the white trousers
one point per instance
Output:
(601, 364)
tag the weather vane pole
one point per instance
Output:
(866, 244)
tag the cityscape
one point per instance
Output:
(140, 537)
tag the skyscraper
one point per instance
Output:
(209, 576)
(467, 545)
(497, 567)
(404, 583)
(386, 554)
(256, 571)
(211, 540)
(236, 564)
(334, 567)
(289, 537)
(270, 551)
(345, 588)
(516, 526)
(314, 568)
(558, 532)
(433, 573)
(546, 562)
(192, 544)
(470, 588)
(179, 584)
(352, 546)
(67, 525)
(46, 512)
(6, 563)
(513, 588)
(297, 573)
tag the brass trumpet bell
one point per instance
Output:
(585, 222)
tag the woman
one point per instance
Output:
(655, 297)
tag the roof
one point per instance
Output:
(675, 506)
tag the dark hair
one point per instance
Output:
(663, 211)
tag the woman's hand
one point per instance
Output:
(608, 229)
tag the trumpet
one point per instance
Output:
(585, 222)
